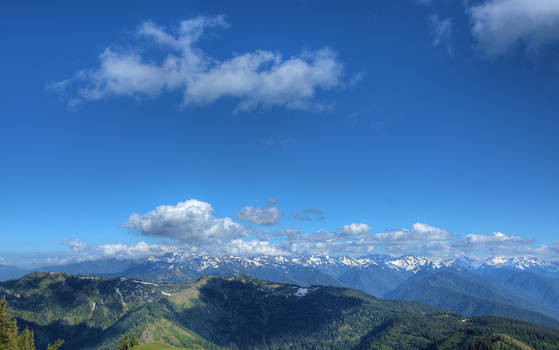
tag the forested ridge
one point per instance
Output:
(241, 313)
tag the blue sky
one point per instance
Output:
(423, 127)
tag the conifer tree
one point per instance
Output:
(26, 340)
(10, 339)
(134, 341)
(124, 343)
(56, 345)
(8, 328)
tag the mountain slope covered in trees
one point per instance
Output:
(245, 313)
(520, 288)
(474, 295)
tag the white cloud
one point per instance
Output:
(257, 79)
(475, 241)
(500, 24)
(190, 222)
(253, 247)
(419, 232)
(82, 251)
(76, 245)
(476, 247)
(330, 247)
(192, 226)
(261, 216)
(441, 30)
(356, 229)
(138, 250)
(544, 251)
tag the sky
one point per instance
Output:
(294, 127)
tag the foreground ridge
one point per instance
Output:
(243, 312)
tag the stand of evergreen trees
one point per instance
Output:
(128, 342)
(11, 338)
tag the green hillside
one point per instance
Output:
(244, 313)
(156, 346)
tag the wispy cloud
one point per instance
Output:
(309, 214)
(272, 201)
(298, 216)
(425, 2)
(313, 211)
(441, 30)
(259, 78)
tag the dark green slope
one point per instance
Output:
(244, 313)
(471, 295)
(541, 290)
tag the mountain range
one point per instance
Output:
(241, 312)
(523, 288)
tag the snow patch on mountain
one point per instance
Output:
(229, 264)
(521, 263)
(416, 263)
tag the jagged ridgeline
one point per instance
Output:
(245, 313)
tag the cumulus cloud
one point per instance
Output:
(190, 222)
(544, 251)
(82, 251)
(419, 232)
(356, 229)
(475, 241)
(253, 247)
(298, 242)
(192, 226)
(328, 248)
(141, 249)
(477, 247)
(498, 25)
(259, 78)
(262, 216)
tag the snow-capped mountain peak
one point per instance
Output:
(521, 263)
(415, 263)
(229, 264)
